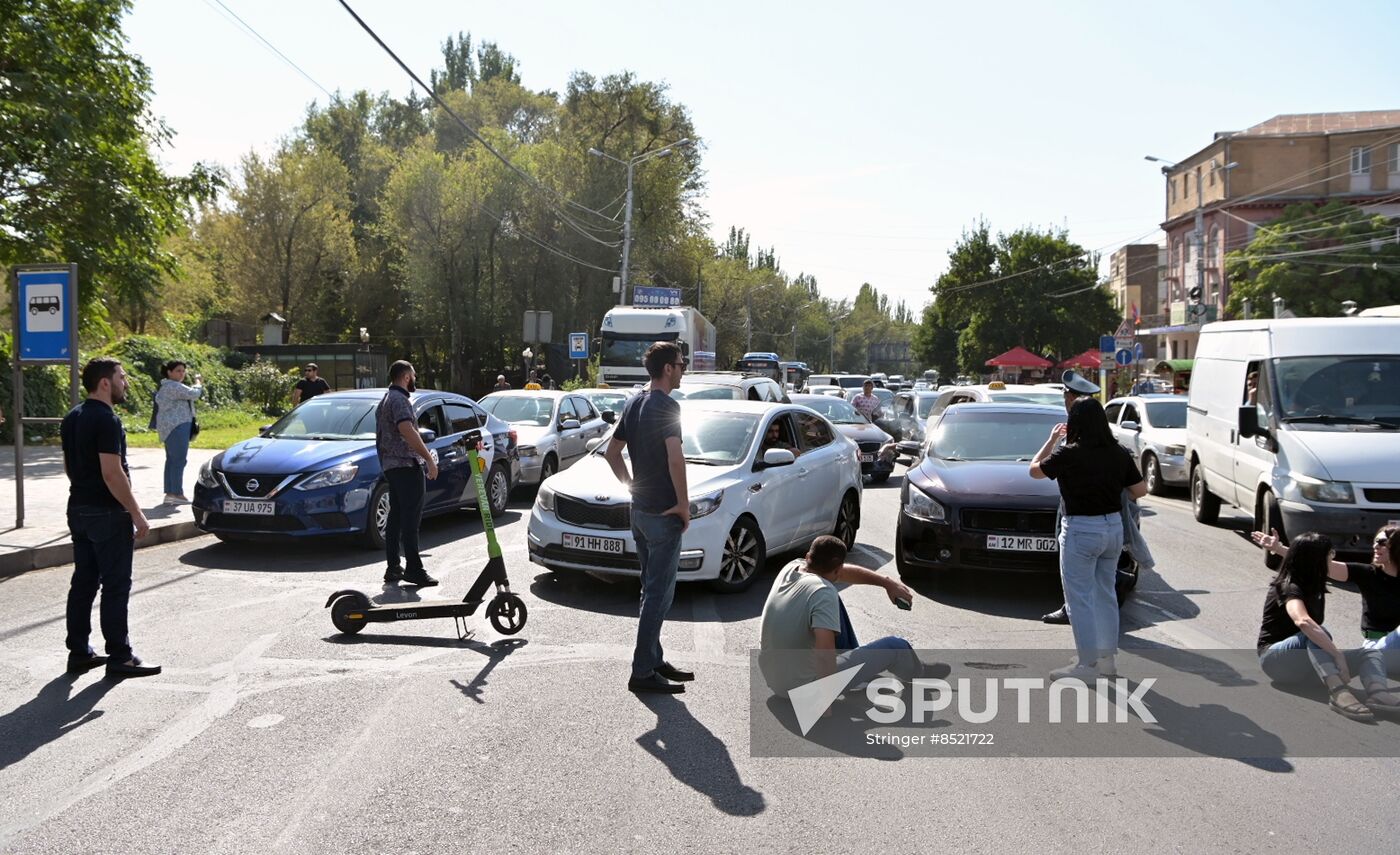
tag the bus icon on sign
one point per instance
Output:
(52, 305)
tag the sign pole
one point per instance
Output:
(17, 410)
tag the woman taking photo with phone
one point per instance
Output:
(1092, 471)
(176, 425)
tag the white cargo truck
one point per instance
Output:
(629, 330)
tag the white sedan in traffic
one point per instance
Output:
(749, 496)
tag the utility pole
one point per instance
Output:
(627, 234)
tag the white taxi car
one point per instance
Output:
(748, 496)
(997, 392)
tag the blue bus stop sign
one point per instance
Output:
(578, 345)
(1124, 356)
(46, 312)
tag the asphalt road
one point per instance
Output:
(267, 732)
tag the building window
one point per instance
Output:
(1360, 161)
(1213, 248)
(1198, 182)
(1212, 176)
(1394, 167)
(1171, 191)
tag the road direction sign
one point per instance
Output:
(578, 345)
(1106, 344)
(1137, 352)
(1124, 356)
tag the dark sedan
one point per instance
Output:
(971, 502)
(858, 429)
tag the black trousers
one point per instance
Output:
(406, 489)
(103, 542)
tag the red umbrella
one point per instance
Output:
(1088, 359)
(1019, 357)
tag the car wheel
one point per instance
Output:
(1127, 578)
(1205, 505)
(548, 468)
(498, 489)
(848, 520)
(377, 517)
(1268, 517)
(1152, 473)
(742, 558)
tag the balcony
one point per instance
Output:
(1181, 316)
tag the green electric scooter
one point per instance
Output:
(351, 610)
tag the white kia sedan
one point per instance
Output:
(763, 478)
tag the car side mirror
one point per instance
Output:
(777, 457)
(1132, 426)
(592, 444)
(1249, 421)
(609, 416)
(569, 424)
(262, 430)
(427, 435)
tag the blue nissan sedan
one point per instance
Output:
(315, 472)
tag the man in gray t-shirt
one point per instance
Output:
(805, 634)
(401, 455)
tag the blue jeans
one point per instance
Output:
(103, 542)
(177, 451)
(1089, 550)
(1297, 659)
(891, 653)
(658, 540)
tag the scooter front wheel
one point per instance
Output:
(507, 614)
(348, 613)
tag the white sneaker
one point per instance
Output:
(1108, 667)
(175, 500)
(1075, 671)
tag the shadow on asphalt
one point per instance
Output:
(1024, 596)
(51, 714)
(494, 652)
(697, 758)
(322, 554)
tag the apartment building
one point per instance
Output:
(1219, 195)
(1134, 272)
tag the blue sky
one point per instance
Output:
(857, 141)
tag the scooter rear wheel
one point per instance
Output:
(507, 613)
(348, 613)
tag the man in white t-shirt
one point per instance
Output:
(866, 403)
(804, 613)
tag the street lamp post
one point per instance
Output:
(631, 164)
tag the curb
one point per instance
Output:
(54, 555)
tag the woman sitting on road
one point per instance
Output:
(1294, 646)
(1379, 583)
(1092, 471)
(174, 419)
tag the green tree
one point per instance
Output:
(1036, 289)
(78, 181)
(1315, 258)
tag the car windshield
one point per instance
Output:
(926, 403)
(327, 418)
(1167, 414)
(1338, 392)
(616, 351)
(712, 439)
(836, 410)
(613, 401)
(520, 409)
(705, 392)
(971, 433)
(850, 382)
(1028, 397)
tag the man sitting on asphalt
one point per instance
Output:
(804, 612)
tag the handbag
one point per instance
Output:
(194, 423)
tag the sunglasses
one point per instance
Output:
(1381, 541)
(684, 363)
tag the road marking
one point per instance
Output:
(270, 720)
(709, 631)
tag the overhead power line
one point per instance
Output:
(248, 28)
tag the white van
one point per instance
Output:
(1317, 446)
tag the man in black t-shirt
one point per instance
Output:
(650, 429)
(105, 522)
(311, 385)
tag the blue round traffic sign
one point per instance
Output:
(1123, 356)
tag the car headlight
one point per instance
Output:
(1175, 450)
(702, 506)
(920, 505)
(526, 450)
(545, 497)
(332, 477)
(1315, 490)
(206, 475)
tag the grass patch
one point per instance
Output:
(218, 429)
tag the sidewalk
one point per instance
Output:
(44, 540)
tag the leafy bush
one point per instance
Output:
(45, 395)
(266, 388)
(142, 356)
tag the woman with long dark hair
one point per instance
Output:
(1379, 583)
(1092, 471)
(1294, 646)
(174, 419)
